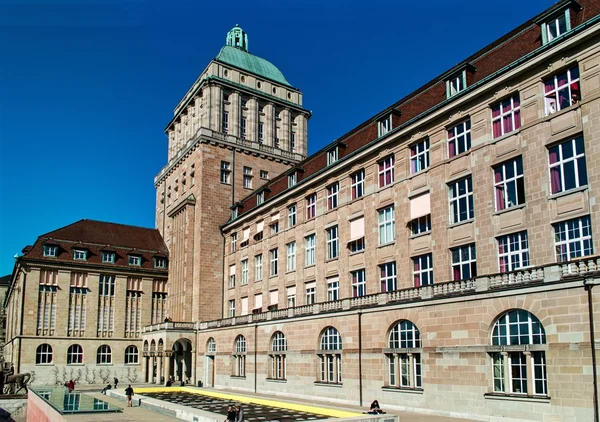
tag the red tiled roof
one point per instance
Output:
(492, 58)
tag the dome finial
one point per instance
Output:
(237, 38)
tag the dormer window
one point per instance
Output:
(80, 254)
(332, 155)
(234, 213)
(108, 257)
(260, 197)
(292, 179)
(160, 262)
(456, 84)
(135, 260)
(556, 26)
(50, 251)
(384, 125)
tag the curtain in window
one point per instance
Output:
(554, 171)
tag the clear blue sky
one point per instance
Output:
(87, 87)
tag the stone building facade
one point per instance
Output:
(79, 299)
(440, 257)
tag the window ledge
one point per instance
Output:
(277, 380)
(356, 253)
(406, 390)
(329, 384)
(290, 271)
(44, 364)
(516, 397)
(461, 223)
(238, 377)
(506, 135)
(386, 244)
(504, 211)
(309, 266)
(415, 236)
(568, 192)
(565, 110)
(332, 259)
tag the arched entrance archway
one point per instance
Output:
(182, 361)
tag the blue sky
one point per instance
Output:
(87, 87)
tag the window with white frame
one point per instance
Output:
(261, 131)
(332, 242)
(43, 354)
(506, 116)
(568, 168)
(211, 346)
(523, 363)
(50, 251)
(556, 26)
(513, 252)
(384, 125)
(47, 300)
(423, 270)
(104, 355)
(239, 357)
(387, 225)
(231, 308)
(509, 184)
(359, 283)
(247, 175)
(292, 215)
(357, 184)
(244, 271)
(274, 227)
(234, 213)
(461, 200)
(80, 254)
(419, 156)
(135, 260)
(293, 141)
(74, 354)
(160, 262)
(291, 296)
(459, 138)
(291, 256)
(421, 225)
(386, 171)
(243, 127)
(573, 239)
(330, 356)
(278, 356)
(260, 197)
(292, 179)
(226, 172)
(233, 242)
(332, 195)
(232, 276)
(562, 90)
(464, 262)
(264, 174)
(456, 84)
(404, 356)
(333, 288)
(388, 277)
(310, 242)
(78, 290)
(311, 206)
(357, 235)
(131, 355)
(258, 267)
(332, 156)
(273, 268)
(311, 293)
(106, 305)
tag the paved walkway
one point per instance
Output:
(130, 414)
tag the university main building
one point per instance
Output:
(440, 257)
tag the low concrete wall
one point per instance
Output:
(40, 411)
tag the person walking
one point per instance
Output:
(129, 393)
(239, 413)
(116, 381)
(231, 414)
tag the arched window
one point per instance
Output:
(43, 354)
(404, 356)
(104, 355)
(146, 346)
(277, 355)
(525, 335)
(330, 356)
(211, 346)
(239, 357)
(131, 355)
(74, 354)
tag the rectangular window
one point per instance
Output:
(461, 200)
(108, 257)
(419, 156)
(464, 262)
(311, 243)
(292, 215)
(231, 308)
(159, 301)
(293, 141)
(243, 128)
(459, 138)
(160, 262)
(291, 256)
(311, 206)
(384, 125)
(291, 297)
(233, 242)
(562, 90)
(106, 303)
(135, 260)
(311, 293)
(258, 267)
(80, 254)
(573, 239)
(261, 131)
(509, 184)
(506, 116)
(264, 174)
(333, 288)
(247, 173)
(387, 225)
(423, 270)
(292, 179)
(567, 166)
(274, 269)
(332, 242)
(386, 171)
(225, 123)
(133, 308)
(77, 304)
(359, 283)
(557, 26)
(332, 196)
(231, 276)
(274, 227)
(50, 251)
(456, 84)
(513, 252)
(387, 277)
(234, 213)
(421, 225)
(244, 271)
(358, 184)
(260, 197)
(357, 245)
(225, 172)
(332, 156)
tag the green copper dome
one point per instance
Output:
(235, 53)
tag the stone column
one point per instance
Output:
(215, 108)
(193, 371)
(167, 366)
(269, 126)
(235, 116)
(175, 367)
(285, 130)
(252, 120)
(301, 135)
(151, 369)
(183, 368)
(159, 370)
(145, 368)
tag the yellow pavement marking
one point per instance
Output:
(264, 402)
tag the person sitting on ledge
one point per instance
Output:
(108, 387)
(375, 409)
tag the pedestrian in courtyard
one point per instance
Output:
(231, 414)
(116, 381)
(108, 387)
(239, 413)
(129, 393)
(375, 409)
